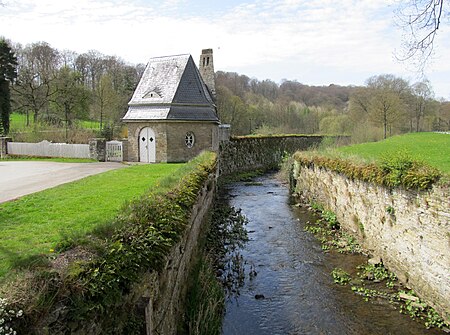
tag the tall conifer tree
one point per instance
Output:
(8, 64)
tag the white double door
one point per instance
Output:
(147, 145)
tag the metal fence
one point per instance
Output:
(48, 149)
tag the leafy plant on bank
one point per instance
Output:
(392, 171)
(327, 231)
(406, 301)
(377, 273)
(333, 238)
(340, 276)
(410, 304)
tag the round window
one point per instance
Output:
(189, 139)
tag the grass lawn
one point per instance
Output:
(34, 224)
(19, 122)
(88, 124)
(431, 148)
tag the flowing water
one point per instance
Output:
(288, 288)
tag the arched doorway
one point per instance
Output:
(147, 145)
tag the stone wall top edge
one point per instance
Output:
(438, 187)
(244, 138)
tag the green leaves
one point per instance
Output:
(340, 276)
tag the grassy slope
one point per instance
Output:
(34, 224)
(19, 122)
(431, 148)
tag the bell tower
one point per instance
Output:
(206, 67)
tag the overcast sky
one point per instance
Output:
(316, 42)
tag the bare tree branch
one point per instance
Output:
(420, 20)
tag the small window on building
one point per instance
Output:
(207, 61)
(189, 139)
(153, 94)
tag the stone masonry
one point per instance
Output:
(408, 230)
(170, 140)
(206, 68)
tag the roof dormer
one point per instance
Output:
(152, 94)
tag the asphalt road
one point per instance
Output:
(19, 178)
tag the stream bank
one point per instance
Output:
(286, 286)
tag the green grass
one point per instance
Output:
(19, 122)
(35, 224)
(431, 148)
(89, 124)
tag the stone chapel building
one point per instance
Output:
(172, 116)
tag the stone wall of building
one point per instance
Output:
(160, 130)
(170, 140)
(251, 153)
(205, 138)
(408, 230)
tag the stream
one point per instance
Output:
(287, 286)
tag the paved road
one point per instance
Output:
(18, 178)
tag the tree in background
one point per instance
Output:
(8, 64)
(387, 105)
(442, 118)
(358, 111)
(71, 98)
(38, 66)
(264, 107)
(423, 102)
(106, 100)
(108, 81)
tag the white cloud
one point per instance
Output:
(347, 36)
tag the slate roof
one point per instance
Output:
(171, 88)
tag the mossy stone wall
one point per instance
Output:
(252, 153)
(166, 291)
(408, 229)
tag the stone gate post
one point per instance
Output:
(97, 149)
(4, 146)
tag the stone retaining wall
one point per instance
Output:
(251, 153)
(408, 230)
(166, 291)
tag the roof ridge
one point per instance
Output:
(170, 56)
